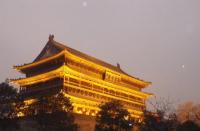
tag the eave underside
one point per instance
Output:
(64, 71)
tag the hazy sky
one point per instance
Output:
(155, 40)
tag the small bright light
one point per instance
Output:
(20, 114)
(126, 117)
(183, 66)
(130, 124)
(79, 112)
(84, 3)
(87, 113)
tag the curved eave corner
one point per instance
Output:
(15, 81)
(20, 68)
(147, 84)
(148, 94)
(144, 84)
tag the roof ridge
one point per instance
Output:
(57, 47)
(87, 55)
(116, 68)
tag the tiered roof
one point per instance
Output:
(53, 48)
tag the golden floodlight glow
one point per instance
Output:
(20, 114)
(65, 70)
(87, 81)
(67, 54)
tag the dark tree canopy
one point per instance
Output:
(150, 122)
(50, 104)
(156, 122)
(49, 112)
(8, 95)
(53, 113)
(113, 117)
(188, 126)
(56, 121)
(7, 92)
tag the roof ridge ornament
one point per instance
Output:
(118, 66)
(51, 37)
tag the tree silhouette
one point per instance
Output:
(162, 116)
(188, 111)
(53, 113)
(188, 126)
(154, 122)
(8, 95)
(113, 117)
(56, 121)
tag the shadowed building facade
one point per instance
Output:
(86, 80)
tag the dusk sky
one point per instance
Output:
(155, 40)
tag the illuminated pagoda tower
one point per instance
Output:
(86, 80)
